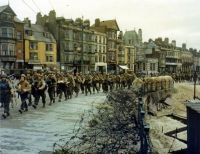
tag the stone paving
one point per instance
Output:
(37, 130)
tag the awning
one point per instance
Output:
(123, 67)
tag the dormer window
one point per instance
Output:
(29, 32)
(46, 34)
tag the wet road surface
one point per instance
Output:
(37, 130)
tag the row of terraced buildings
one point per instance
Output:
(66, 44)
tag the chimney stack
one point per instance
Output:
(184, 46)
(173, 43)
(97, 22)
(166, 40)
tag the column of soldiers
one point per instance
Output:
(35, 85)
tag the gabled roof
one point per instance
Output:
(38, 34)
(111, 24)
(131, 34)
(2, 8)
(18, 20)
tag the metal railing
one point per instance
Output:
(145, 143)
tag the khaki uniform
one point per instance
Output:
(87, 84)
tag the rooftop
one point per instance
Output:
(2, 8)
(112, 24)
(38, 33)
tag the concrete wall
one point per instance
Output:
(193, 132)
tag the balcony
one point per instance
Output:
(7, 58)
(8, 36)
(34, 61)
(173, 64)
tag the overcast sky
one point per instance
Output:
(175, 19)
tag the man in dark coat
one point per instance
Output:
(5, 95)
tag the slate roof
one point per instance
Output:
(131, 35)
(2, 8)
(38, 34)
(17, 20)
(112, 24)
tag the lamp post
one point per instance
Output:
(82, 30)
(58, 46)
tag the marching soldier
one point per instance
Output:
(51, 83)
(78, 81)
(105, 83)
(111, 81)
(82, 83)
(5, 95)
(100, 76)
(95, 81)
(71, 85)
(61, 87)
(23, 88)
(129, 79)
(87, 84)
(40, 88)
(118, 81)
(29, 78)
(123, 81)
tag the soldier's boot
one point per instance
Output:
(4, 116)
(53, 100)
(43, 105)
(60, 97)
(21, 111)
(50, 102)
(34, 106)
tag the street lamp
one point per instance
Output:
(76, 51)
(82, 30)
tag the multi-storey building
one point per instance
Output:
(134, 46)
(187, 59)
(170, 56)
(7, 38)
(130, 55)
(100, 51)
(173, 59)
(76, 42)
(110, 28)
(40, 47)
(196, 57)
(19, 64)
